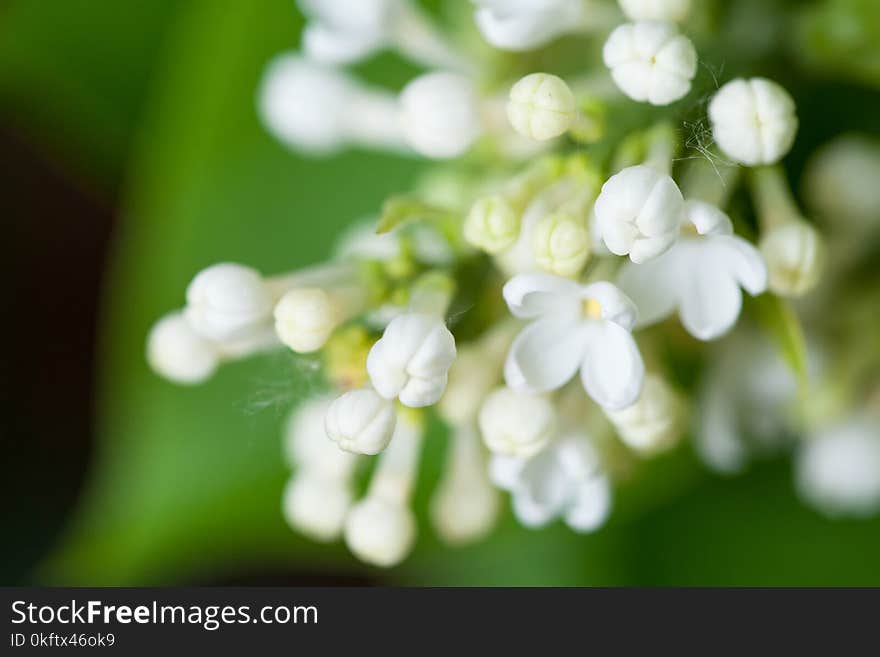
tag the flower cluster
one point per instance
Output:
(528, 307)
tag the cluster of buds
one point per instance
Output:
(529, 336)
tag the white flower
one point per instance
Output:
(584, 327)
(381, 528)
(565, 480)
(317, 505)
(411, 360)
(561, 243)
(700, 276)
(656, 10)
(440, 114)
(516, 423)
(654, 422)
(651, 61)
(795, 256)
(639, 212)
(541, 106)
(465, 505)
(380, 532)
(492, 224)
(361, 421)
(753, 121)
(526, 24)
(307, 445)
(838, 468)
(317, 109)
(228, 302)
(344, 32)
(305, 318)
(177, 352)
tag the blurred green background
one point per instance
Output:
(137, 121)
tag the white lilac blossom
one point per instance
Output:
(412, 359)
(465, 504)
(639, 212)
(381, 528)
(700, 277)
(527, 24)
(516, 423)
(651, 61)
(228, 301)
(753, 121)
(307, 445)
(656, 10)
(541, 106)
(361, 422)
(838, 467)
(178, 353)
(305, 318)
(655, 422)
(574, 327)
(317, 109)
(795, 256)
(440, 114)
(565, 480)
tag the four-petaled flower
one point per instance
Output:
(584, 327)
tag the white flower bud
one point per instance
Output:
(753, 121)
(317, 506)
(345, 32)
(561, 243)
(639, 212)
(306, 444)
(654, 422)
(380, 532)
(440, 114)
(516, 423)
(465, 506)
(541, 106)
(411, 360)
(492, 225)
(795, 256)
(329, 46)
(305, 318)
(656, 10)
(361, 421)
(529, 24)
(838, 468)
(651, 61)
(228, 302)
(178, 353)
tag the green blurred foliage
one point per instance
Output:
(186, 485)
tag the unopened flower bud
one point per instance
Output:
(306, 444)
(492, 224)
(651, 61)
(541, 106)
(639, 212)
(753, 121)
(228, 302)
(795, 256)
(516, 423)
(654, 422)
(178, 353)
(305, 318)
(440, 114)
(656, 10)
(527, 25)
(561, 243)
(380, 532)
(361, 421)
(316, 505)
(411, 360)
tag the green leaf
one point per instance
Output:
(776, 316)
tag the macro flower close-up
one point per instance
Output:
(444, 292)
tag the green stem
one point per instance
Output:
(772, 196)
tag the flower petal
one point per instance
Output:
(545, 355)
(591, 505)
(612, 371)
(743, 261)
(708, 219)
(616, 306)
(653, 286)
(531, 295)
(710, 298)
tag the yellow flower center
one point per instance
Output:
(592, 309)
